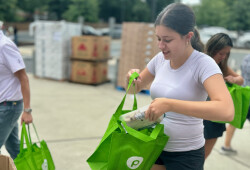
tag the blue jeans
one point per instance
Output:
(9, 115)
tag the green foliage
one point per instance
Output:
(56, 8)
(240, 16)
(8, 10)
(131, 10)
(113, 8)
(86, 8)
(156, 6)
(32, 6)
(210, 13)
(231, 14)
(141, 12)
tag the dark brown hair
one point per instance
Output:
(196, 41)
(216, 43)
(180, 18)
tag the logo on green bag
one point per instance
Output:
(134, 162)
(45, 165)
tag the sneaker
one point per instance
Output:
(227, 151)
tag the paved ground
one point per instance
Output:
(73, 117)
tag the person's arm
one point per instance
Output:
(220, 108)
(24, 80)
(233, 77)
(142, 81)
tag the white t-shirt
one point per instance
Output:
(184, 83)
(10, 62)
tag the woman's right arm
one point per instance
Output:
(145, 77)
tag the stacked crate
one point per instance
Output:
(139, 46)
(89, 60)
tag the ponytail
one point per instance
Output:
(196, 41)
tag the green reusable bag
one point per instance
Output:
(124, 148)
(241, 100)
(33, 157)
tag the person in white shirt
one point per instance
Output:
(14, 95)
(182, 78)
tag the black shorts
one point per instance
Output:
(213, 129)
(189, 160)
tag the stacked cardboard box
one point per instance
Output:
(6, 163)
(139, 46)
(89, 60)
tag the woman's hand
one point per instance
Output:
(231, 79)
(157, 108)
(130, 72)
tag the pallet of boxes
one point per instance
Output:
(139, 46)
(89, 60)
(53, 48)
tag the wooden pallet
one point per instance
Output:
(92, 84)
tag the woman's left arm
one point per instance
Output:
(219, 108)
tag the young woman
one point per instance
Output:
(182, 78)
(219, 47)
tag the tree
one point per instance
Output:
(212, 13)
(231, 14)
(56, 8)
(156, 6)
(8, 10)
(112, 8)
(141, 12)
(240, 15)
(86, 8)
(33, 6)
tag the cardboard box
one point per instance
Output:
(6, 163)
(91, 47)
(88, 72)
(139, 46)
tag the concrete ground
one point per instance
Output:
(72, 119)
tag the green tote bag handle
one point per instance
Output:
(115, 122)
(119, 109)
(24, 135)
(44, 156)
(158, 130)
(27, 136)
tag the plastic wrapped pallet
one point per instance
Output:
(53, 48)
